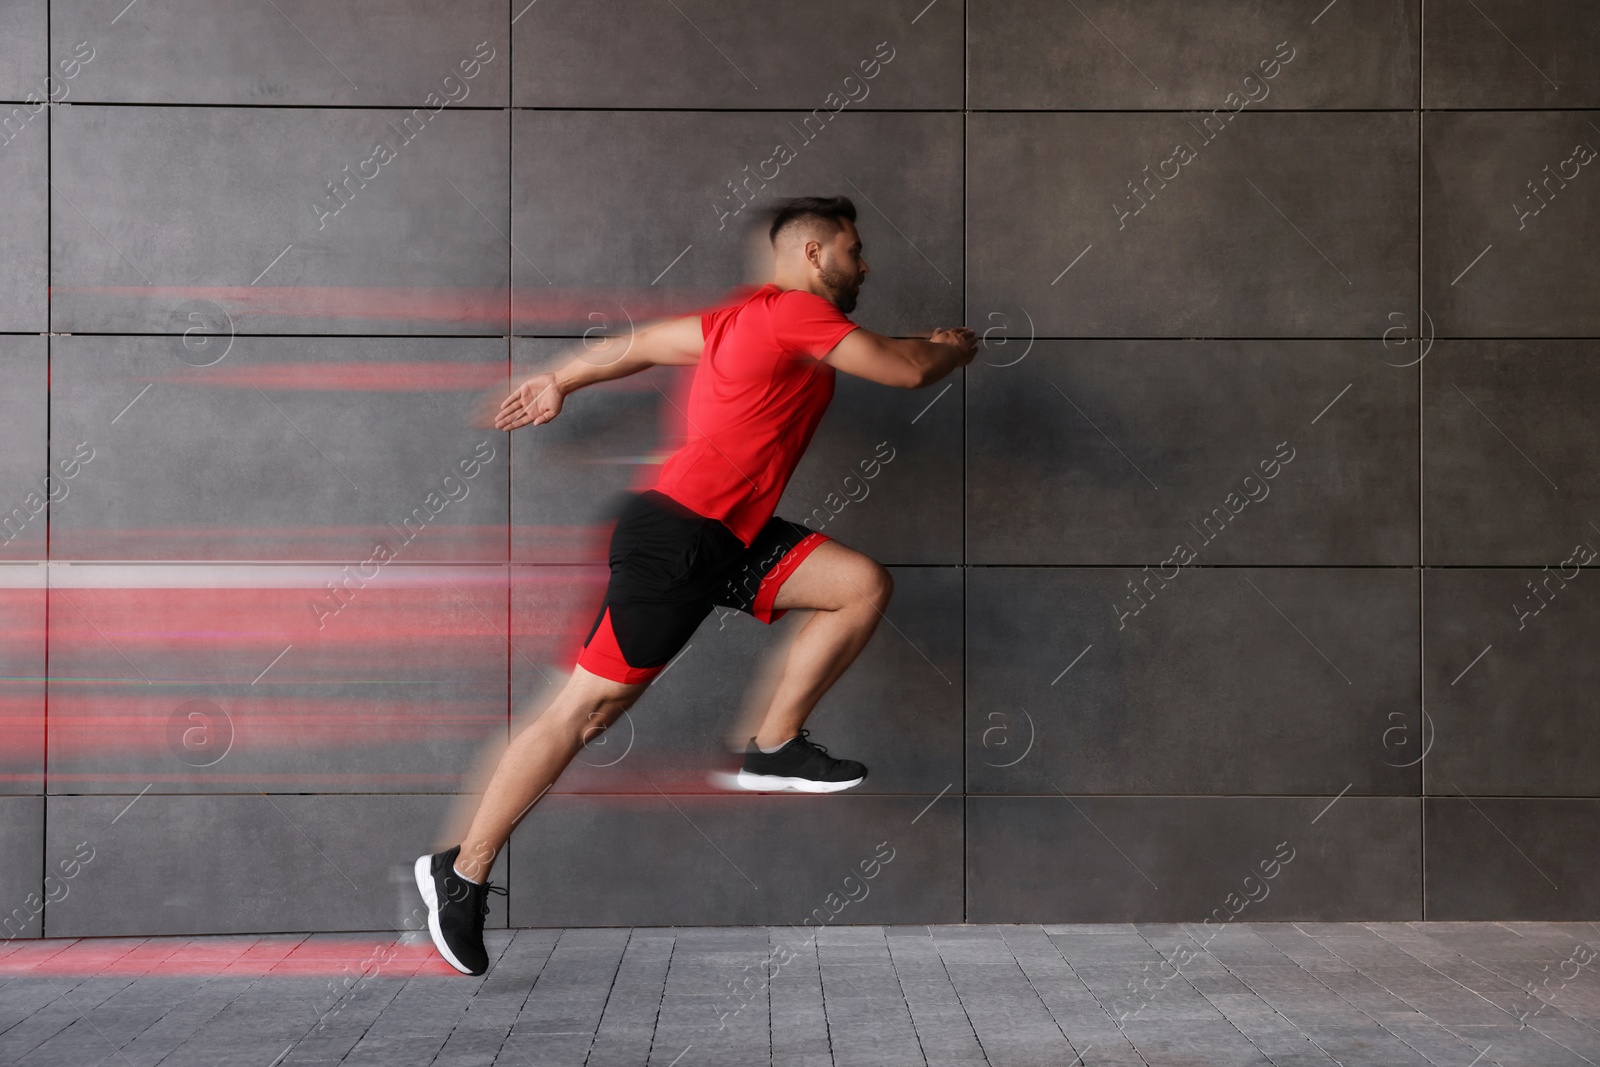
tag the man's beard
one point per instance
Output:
(842, 287)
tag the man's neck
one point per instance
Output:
(805, 285)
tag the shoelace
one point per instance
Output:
(482, 911)
(804, 737)
(490, 887)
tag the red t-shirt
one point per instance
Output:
(758, 393)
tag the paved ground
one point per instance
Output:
(1389, 994)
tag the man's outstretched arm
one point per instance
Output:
(906, 362)
(537, 400)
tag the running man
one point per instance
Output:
(705, 535)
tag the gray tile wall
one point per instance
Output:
(1245, 572)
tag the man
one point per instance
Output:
(705, 535)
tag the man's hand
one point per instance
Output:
(675, 341)
(962, 338)
(536, 401)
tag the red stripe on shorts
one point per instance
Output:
(603, 656)
(767, 591)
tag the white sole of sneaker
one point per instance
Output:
(423, 869)
(773, 783)
(728, 780)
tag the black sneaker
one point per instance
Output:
(456, 909)
(800, 765)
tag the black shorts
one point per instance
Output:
(670, 567)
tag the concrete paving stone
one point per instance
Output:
(1362, 1042)
(416, 1050)
(1509, 1045)
(213, 1044)
(974, 950)
(419, 1040)
(473, 1047)
(861, 996)
(1113, 1056)
(1284, 978)
(1010, 1020)
(78, 1043)
(867, 1014)
(1091, 948)
(1192, 1008)
(1277, 1037)
(849, 935)
(1349, 952)
(942, 1024)
(984, 931)
(1574, 1034)
(1030, 939)
(1363, 993)
(554, 1050)
(1293, 943)
(855, 956)
(493, 1002)
(1475, 996)
(629, 1022)
(919, 960)
(1087, 928)
(1240, 1003)
(799, 1025)
(20, 999)
(1222, 982)
(190, 1015)
(120, 1019)
(58, 1020)
(1214, 1042)
(1435, 1042)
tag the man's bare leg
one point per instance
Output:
(848, 592)
(534, 760)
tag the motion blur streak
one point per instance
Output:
(386, 376)
(374, 376)
(529, 308)
(216, 674)
(285, 955)
(566, 544)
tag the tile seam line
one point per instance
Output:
(966, 651)
(600, 1018)
(655, 1020)
(511, 455)
(904, 998)
(49, 411)
(1422, 495)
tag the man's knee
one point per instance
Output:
(606, 708)
(590, 701)
(876, 584)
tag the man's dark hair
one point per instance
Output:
(808, 210)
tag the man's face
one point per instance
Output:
(843, 267)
